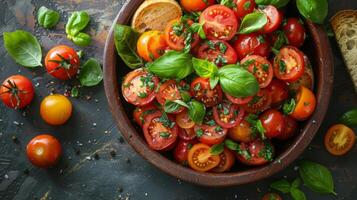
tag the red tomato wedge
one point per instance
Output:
(210, 135)
(274, 19)
(169, 91)
(289, 64)
(226, 163)
(217, 51)
(201, 91)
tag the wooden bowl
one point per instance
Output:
(317, 48)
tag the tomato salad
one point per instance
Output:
(220, 85)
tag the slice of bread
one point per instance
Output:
(344, 24)
(155, 15)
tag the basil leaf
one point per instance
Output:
(349, 118)
(23, 47)
(253, 22)
(316, 177)
(173, 64)
(82, 39)
(204, 68)
(172, 106)
(289, 106)
(76, 23)
(296, 183)
(47, 18)
(276, 3)
(217, 149)
(230, 144)
(125, 39)
(281, 185)
(196, 111)
(281, 40)
(213, 81)
(297, 194)
(315, 10)
(74, 92)
(198, 28)
(91, 73)
(237, 81)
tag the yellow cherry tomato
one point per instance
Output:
(56, 109)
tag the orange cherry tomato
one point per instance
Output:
(56, 109)
(184, 121)
(241, 133)
(271, 196)
(151, 45)
(339, 139)
(305, 104)
(196, 5)
(44, 151)
(226, 162)
(201, 159)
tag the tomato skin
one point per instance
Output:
(307, 79)
(244, 7)
(201, 159)
(24, 91)
(140, 113)
(294, 32)
(69, 57)
(291, 128)
(210, 136)
(305, 104)
(226, 162)
(260, 102)
(294, 62)
(187, 134)
(207, 53)
(278, 90)
(56, 109)
(153, 129)
(241, 132)
(252, 44)
(273, 122)
(151, 45)
(44, 151)
(261, 69)
(272, 196)
(237, 100)
(220, 23)
(195, 5)
(184, 121)
(254, 148)
(339, 139)
(181, 150)
(275, 18)
(204, 93)
(132, 87)
(227, 120)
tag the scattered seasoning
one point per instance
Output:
(15, 140)
(77, 152)
(96, 156)
(146, 194)
(88, 97)
(26, 171)
(94, 124)
(113, 153)
(121, 140)
(127, 160)
(61, 172)
(120, 189)
(6, 176)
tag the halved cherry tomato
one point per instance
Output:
(294, 31)
(339, 140)
(226, 162)
(139, 86)
(238, 100)
(196, 5)
(187, 134)
(273, 122)
(169, 91)
(252, 44)
(44, 151)
(260, 68)
(17, 92)
(289, 64)
(181, 150)
(201, 91)
(62, 62)
(201, 159)
(305, 104)
(151, 45)
(278, 90)
(219, 23)
(210, 134)
(160, 134)
(307, 79)
(259, 103)
(259, 152)
(227, 115)
(176, 32)
(244, 7)
(291, 128)
(242, 132)
(219, 52)
(184, 121)
(272, 196)
(140, 113)
(274, 19)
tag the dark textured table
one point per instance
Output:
(97, 163)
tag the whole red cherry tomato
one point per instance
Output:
(17, 92)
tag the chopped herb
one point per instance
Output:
(199, 133)
(261, 39)
(189, 146)
(166, 121)
(145, 113)
(265, 67)
(306, 103)
(164, 134)
(282, 66)
(248, 63)
(289, 106)
(218, 129)
(152, 57)
(211, 44)
(267, 152)
(217, 149)
(222, 47)
(74, 92)
(228, 3)
(260, 128)
(220, 60)
(225, 110)
(142, 94)
(211, 122)
(197, 87)
(126, 85)
(178, 29)
(246, 5)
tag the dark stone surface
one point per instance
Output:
(91, 130)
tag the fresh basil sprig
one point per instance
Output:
(315, 10)
(91, 73)
(125, 39)
(24, 48)
(276, 3)
(349, 118)
(293, 189)
(316, 177)
(76, 23)
(253, 22)
(196, 111)
(237, 81)
(47, 18)
(173, 65)
(204, 68)
(172, 106)
(217, 149)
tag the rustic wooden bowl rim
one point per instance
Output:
(324, 88)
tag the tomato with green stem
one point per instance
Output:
(16, 92)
